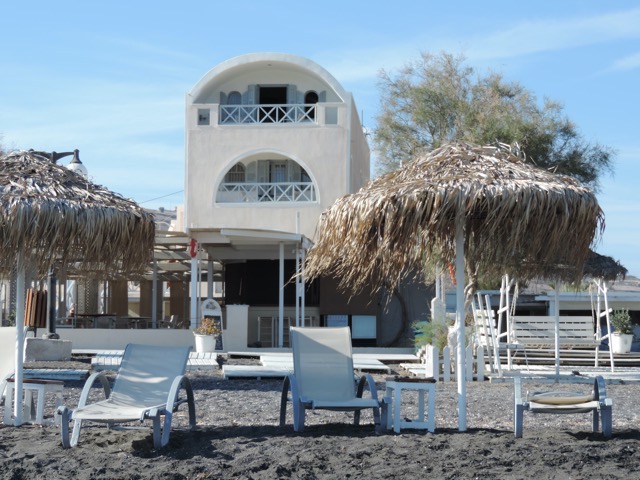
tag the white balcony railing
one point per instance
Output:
(266, 192)
(248, 114)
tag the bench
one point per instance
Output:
(539, 331)
(574, 332)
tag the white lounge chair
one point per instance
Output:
(323, 377)
(146, 387)
(596, 403)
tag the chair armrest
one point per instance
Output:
(173, 401)
(368, 380)
(88, 385)
(599, 389)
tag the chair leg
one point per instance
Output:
(65, 416)
(518, 420)
(283, 401)
(75, 436)
(299, 412)
(607, 422)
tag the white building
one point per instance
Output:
(272, 140)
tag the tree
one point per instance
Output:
(439, 99)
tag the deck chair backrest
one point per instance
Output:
(322, 362)
(146, 374)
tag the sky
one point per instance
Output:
(110, 78)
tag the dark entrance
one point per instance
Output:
(273, 96)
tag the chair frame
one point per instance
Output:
(161, 415)
(300, 404)
(598, 405)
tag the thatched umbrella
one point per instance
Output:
(51, 216)
(460, 202)
(604, 267)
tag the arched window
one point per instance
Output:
(310, 100)
(234, 98)
(236, 174)
(311, 97)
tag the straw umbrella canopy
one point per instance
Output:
(482, 205)
(55, 217)
(51, 216)
(604, 268)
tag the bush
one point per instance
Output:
(621, 321)
(431, 333)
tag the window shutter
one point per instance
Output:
(223, 98)
(251, 172)
(249, 97)
(292, 94)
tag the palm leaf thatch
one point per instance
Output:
(517, 219)
(604, 267)
(54, 216)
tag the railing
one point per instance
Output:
(266, 192)
(248, 114)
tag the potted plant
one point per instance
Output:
(622, 336)
(205, 335)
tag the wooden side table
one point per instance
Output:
(394, 393)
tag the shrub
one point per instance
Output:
(621, 321)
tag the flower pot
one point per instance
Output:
(205, 343)
(621, 342)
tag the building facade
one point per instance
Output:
(272, 140)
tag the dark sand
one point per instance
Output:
(238, 436)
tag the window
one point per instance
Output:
(234, 98)
(235, 174)
(310, 98)
(277, 172)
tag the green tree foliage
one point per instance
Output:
(439, 99)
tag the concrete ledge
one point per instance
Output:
(41, 349)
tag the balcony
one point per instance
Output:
(260, 114)
(266, 192)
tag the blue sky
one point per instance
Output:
(109, 78)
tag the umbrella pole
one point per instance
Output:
(461, 356)
(20, 299)
(557, 329)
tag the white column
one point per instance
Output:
(210, 278)
(461, 366)
(281, 298)
(154, 295)
(299, 320)
(20, 299)
(303, 254)
(194, 292)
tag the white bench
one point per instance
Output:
(574, 332)
(539, 331)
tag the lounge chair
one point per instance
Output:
(146, 387)
(32, 411)
(561, 402)
(323, 377)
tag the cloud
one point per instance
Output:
(514, 40)
(557, 34)
(630, 62)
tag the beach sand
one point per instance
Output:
(239, 436)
